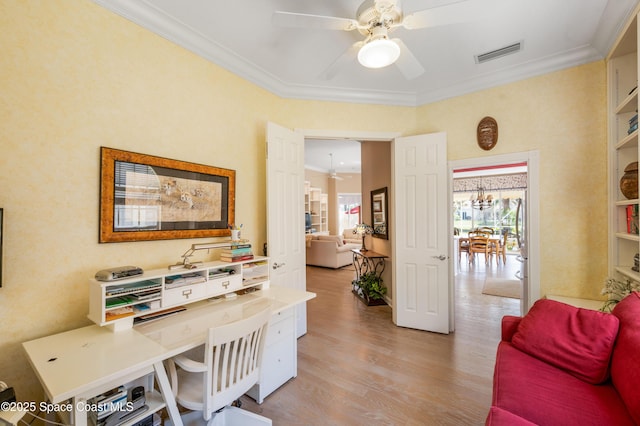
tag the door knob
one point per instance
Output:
(441, 257)
(277, 265)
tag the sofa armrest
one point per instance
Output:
(509, 327)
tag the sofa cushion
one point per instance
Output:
(579, 341)
(625, 364)
(336, 238)
(498, 416)
(545, 395)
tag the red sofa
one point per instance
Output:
(562, 365)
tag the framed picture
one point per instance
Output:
(379, 213)
(143, 197)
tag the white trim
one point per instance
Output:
(533, 210)
(356, 135)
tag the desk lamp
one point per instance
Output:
(187, 264)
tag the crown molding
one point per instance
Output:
(143, 13)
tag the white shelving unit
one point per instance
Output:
(118, 303)
(622, 68)
(316, 205)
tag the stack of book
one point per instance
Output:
(633, 124)
(237, 253)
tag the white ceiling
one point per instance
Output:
(239, 35)
(345, 153)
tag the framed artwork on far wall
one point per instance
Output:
(144, 197)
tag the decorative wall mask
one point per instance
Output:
(487, 133)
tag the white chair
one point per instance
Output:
(227, 366)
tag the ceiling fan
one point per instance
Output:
(375, 19)
(332, 171)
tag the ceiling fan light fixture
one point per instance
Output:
(378, 53)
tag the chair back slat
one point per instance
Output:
(233, 356)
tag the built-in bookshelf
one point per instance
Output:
(622, 69)
(163, 291)
(316, 206)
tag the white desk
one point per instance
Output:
(79, 364)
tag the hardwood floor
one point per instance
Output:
(355, 367)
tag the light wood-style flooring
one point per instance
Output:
(355, 367)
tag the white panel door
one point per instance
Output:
(422, 234)
(285, 213)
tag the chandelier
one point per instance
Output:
(481, 201)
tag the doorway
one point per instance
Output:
(510, 181)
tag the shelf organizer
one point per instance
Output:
(118, 303)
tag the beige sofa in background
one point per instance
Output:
(329, 251)
(349, 237)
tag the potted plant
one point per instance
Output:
(616, 291)
(370, 288)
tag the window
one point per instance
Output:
(349, 208)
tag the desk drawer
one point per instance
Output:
(278, 364)
(188, 293)
(279, 330)
(282, 315)
(224, 285)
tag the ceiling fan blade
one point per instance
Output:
(303, 20)
(347, 56)
(407, 63)
(453, 13)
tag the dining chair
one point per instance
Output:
(479, 244)
(216, 374)
(499, 248)
(486, 229)
(463, 247)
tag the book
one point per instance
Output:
(117, 313)
(236, 258)
(240, 246)
(236, 252)
(117, 301)
(632, 220)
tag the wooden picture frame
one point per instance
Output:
(144, 197)
(380, 213)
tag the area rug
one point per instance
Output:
(502, 287)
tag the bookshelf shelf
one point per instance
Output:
(626, 236)
(628, 272)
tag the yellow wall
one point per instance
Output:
(563, 116)
(74, 77)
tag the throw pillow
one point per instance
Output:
(579, 341)
(625, 364)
